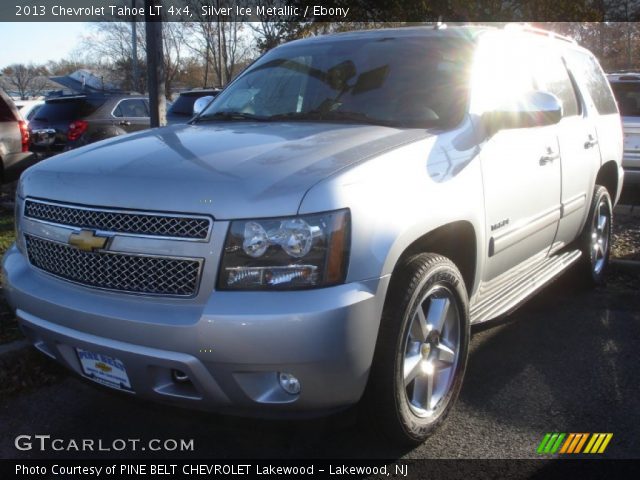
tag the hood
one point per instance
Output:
(228, 170)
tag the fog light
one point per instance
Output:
(289, 383)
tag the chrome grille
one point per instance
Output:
(185, 227)
(116, 271)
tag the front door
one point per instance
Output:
(520, 167)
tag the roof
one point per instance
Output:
(624, 77)
(200, 91)
(93, 95)
(465, 32)
(470, 33)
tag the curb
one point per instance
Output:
(627, 210)
(14, 346)
(626, 265)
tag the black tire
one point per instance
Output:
(594, 261)
(430, 282)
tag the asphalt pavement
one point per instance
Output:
(567, 361)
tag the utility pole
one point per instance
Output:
(222, 65)
(626, 11)
(135, 84)
(155, 63)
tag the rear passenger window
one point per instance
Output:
(68, 109)
(589, 74)
(131, 108)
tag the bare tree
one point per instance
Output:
(112, 44)
(221, 42)
(29, 80)
(173, 39)
(270, 34)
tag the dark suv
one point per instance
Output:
(182, 109)
(67, 122)
(14, 141)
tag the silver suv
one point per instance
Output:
(626, 88)
(328, 228)
(15, 156)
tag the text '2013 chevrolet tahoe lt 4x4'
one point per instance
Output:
(328, 228)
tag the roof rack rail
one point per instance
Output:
(525, 27)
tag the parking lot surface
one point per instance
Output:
(565, 362)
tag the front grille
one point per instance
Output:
(185, 227)
(116, 271)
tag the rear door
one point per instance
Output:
(131, 114)
(577, 137)
(601, 105)
(520, 167)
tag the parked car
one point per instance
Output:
(327, 230)
(67, 122)
(28, 108)
(181, 111)
(15, 156)
(626, 88)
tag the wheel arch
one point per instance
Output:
(608, 177)
(456, 241)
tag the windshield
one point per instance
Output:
(628, 97)
(402, 81)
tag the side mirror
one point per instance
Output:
(535, 109)
(200, 104)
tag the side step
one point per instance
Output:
(507, 295)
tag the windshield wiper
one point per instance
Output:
(224, 115)
(331, 116)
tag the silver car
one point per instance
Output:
(328, 228)
(626, 88)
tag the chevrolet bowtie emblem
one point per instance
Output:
(103, 367)
(87, 240)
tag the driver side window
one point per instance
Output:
(501, 73)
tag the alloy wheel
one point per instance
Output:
(432, 348)
(600, 232)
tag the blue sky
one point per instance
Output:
(38, 42)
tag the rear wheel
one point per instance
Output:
(595, 240)
(422, 349)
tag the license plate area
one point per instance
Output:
(44, 138)
(104, 369)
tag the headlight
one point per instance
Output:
(286, 253)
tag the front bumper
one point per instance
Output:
(230, 347)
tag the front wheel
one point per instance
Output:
(422, 348)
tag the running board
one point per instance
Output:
(523, 284)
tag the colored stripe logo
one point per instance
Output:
(572, 443)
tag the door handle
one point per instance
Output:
(125, 123)
(591, 142)
(549, 157)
